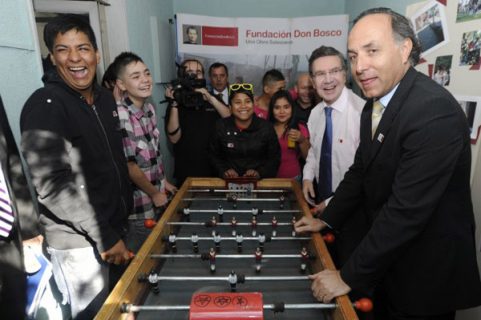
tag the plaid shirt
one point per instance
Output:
(141, 145)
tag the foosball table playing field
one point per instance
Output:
(228, 250)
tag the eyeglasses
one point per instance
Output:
(322, 75)
(238, 86)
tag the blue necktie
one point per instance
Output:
(6, 212)
(325, 163)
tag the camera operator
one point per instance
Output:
(190, 120)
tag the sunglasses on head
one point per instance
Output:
(244, 86)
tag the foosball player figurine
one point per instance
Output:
(274, 226)
(172, 242)
(293, 222)
(262, 240)
(213, 223)
(154, 283)
(220, 213)
(304, 258)
(195, 242)
(239, 238)
(217, 239)
(187, 214)
(255, 211)
(282, 199)
(212, 254)
(233, 224)
(258, 257)
(254, 226)
(232, 281)
(233, 199)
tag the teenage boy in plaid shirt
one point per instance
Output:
(141, 146)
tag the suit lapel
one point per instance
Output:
(389, 115)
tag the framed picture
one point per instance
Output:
(430, 27)
(471, 106)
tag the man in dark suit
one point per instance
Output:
(13, 289)
(219, 80)
(411, 177)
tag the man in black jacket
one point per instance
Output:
(72, 143)
(13, 288)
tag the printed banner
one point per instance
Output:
(251, 46)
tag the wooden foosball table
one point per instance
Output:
(228, 250)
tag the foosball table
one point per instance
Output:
(228, 250)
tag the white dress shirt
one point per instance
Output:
(346, 119)
(225, 95)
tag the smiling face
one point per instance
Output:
(282, 111)
(378, 60)
(329, 78)
(242, 108)
(137, 81)
(76, 60)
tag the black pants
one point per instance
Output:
(13, 281)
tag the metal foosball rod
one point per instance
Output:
(268, 239)
(363, 305)
(187, 211)
(234, 198)
(239, 191)
(209, 224)
(154, 278)
(229, 256)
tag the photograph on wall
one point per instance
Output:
(191, 34)
(468, 10)
(442, 70)
(430, 26)
(470, 104)
(470, 48)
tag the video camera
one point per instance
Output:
(184, 91)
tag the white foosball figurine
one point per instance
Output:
(217, 239)
(239, 239)
(195, 242)
(232, 278)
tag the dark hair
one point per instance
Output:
(181, 68)
(190, 28)
(216, 65)
(232, 94)
(324, 51)
(401, 27)
(108, 80)
(123, 60)
(64, 23)
(271, 76)
(292, 123)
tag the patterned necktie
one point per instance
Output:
(325, 162)
(377, 110)
(6, 212)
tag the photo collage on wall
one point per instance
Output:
(430, 24)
